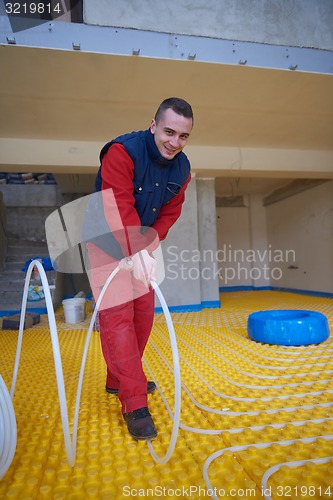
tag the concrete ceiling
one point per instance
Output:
(231, 186)
(55, 94)
(65, 95)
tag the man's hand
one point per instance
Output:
(143, 266)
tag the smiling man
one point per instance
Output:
(171, 131)
(148, 174)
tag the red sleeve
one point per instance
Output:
(122, 217)
(118, 173)
(170, 212)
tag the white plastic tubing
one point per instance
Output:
(8, 432)
(177, 403)
(7, 415)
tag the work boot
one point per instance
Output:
(140, 424)
(150, 388)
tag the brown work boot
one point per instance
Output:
(140, 424)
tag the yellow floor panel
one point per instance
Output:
(249, 411)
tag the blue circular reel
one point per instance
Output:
(288, 327)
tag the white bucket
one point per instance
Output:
(74, 310)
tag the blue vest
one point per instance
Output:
(156, 180)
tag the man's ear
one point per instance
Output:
(152, 126)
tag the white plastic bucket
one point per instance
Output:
(74, 310)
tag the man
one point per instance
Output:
(147, 173)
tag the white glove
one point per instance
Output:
(143, 266)
(126, 264)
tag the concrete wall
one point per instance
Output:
(243, 257)
(233, 236)
(181, 286)
(3, 233)
(209, 280)
(188, 282)
(288, 244)
(28, 207)
(299, 23)
(189, 251)
(260, 261)
(301, 228)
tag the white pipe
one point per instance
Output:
(235, 449)
(10, 422)
(8, 430)
(7, 415)
(220, 452)
(297, 463)
(177, 404)
(84, 357)
(55, 348)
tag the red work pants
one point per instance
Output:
(124, 331)
(126, 316)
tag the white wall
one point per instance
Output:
(300, 23)
(243, 255)
(303, 226)
(233, 238)
(181, 286)
(188, 248)
(288, 244)
(209, 280)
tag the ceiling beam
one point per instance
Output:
(35, 155)
(295, 187)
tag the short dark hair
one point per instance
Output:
(177, 104)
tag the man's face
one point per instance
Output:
(171, 133)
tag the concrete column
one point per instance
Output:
(258, 256)
(189, 252)
(3, 234)
(233, 246)
(181, 286)
(209, 281)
